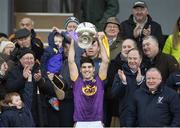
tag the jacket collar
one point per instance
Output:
(33, 33)
(131, 19)
(159, 90)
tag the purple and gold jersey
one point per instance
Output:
(88, 99)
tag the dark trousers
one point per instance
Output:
(66, 113)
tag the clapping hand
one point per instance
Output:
(37, 76)
(147, 31)
(137, 30)
(26, 72)
(4, 68)
(101, 35)
(139, 76)
(122, 76)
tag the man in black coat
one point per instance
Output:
(155, 104)
(42, 86)
(153, 57)
(140, 24)
(36, 44)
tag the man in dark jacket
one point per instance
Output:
(140, 24)
(42, 87)
(166, 63)
(36, 43)
(126, 81)
(154, 104)
(112, 105)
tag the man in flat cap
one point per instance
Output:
(36, 43)
(23, 38)
(140, 24)
(112, 30)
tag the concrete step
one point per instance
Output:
(43, 22)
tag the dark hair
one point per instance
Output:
(57, 34)
(22, 51)
(138, 50)
(86, 60)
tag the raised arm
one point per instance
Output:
(105, 60)
(73, 70)
(28, 90)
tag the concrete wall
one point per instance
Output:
(4, 16)
(165, 12)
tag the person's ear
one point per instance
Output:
(160, 79)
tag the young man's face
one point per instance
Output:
(87, 70)
(58, 41)
(16, 101)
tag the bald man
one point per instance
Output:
(153, 57)
(154, 104)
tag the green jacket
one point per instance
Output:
(168, 48)
(97, 11)
(115, 48)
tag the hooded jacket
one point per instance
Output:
(52, 58)
(13, 117)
